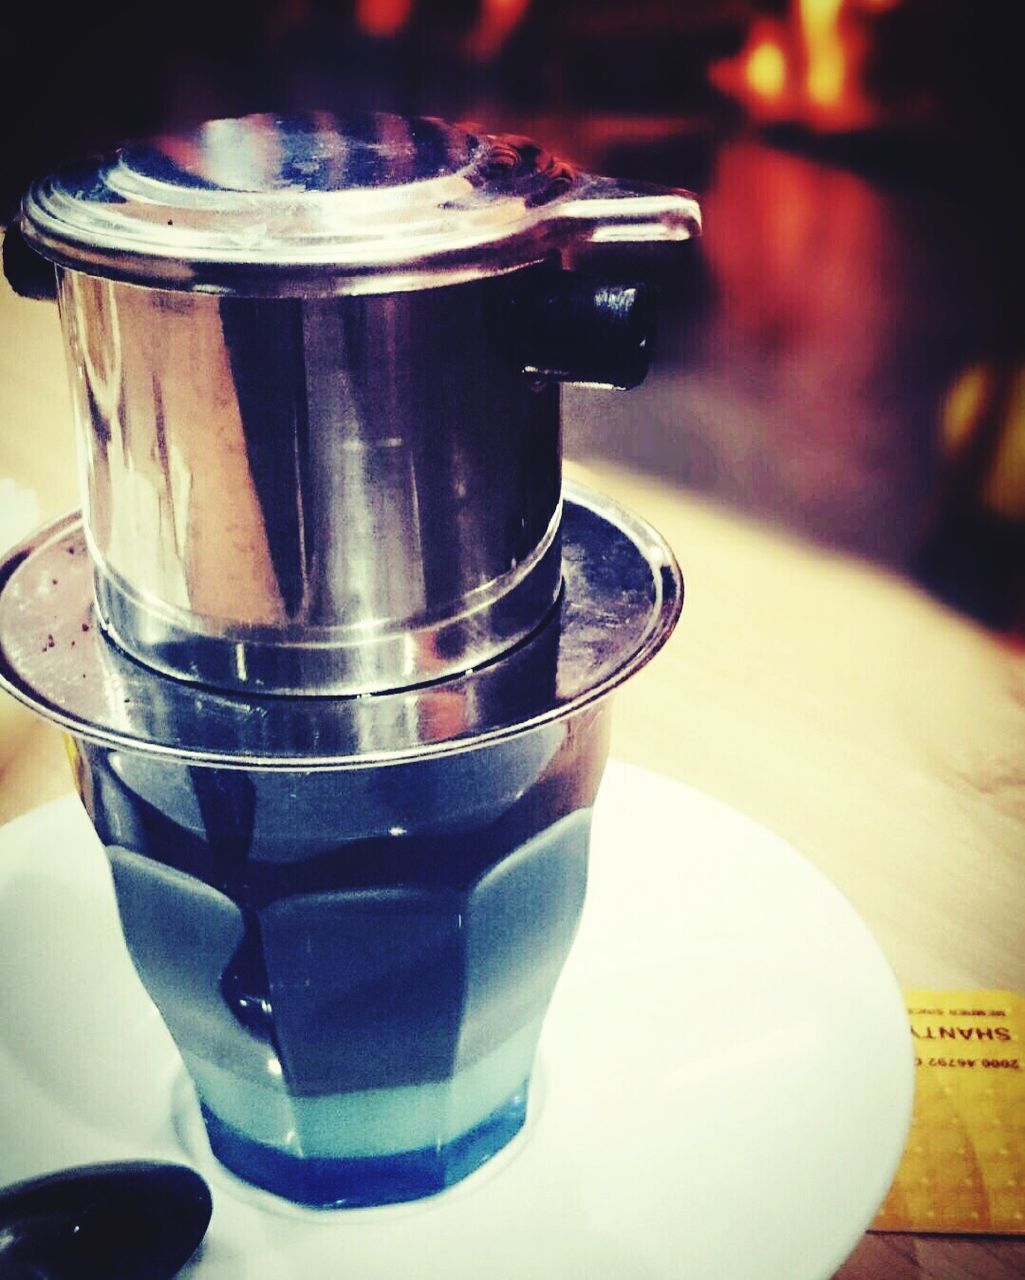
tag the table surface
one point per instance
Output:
(880, 733)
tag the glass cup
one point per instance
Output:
(354, 962)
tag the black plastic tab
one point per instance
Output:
(577, 329)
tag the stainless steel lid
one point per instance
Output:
(318, 204)
(623, 594)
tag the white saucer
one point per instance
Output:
(723, 1091)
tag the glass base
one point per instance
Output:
(363, 1181)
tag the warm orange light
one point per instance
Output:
(807, 64)
(965, 406)
(766, 69)
(496, 22)
(382, 18)
(819, 17)
(826, 74)
(826, 65)
(1005, 491)
(984, 413)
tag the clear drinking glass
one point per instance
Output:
(354, 962)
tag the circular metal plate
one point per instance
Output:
(621, 598)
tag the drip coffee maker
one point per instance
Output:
(330, 638)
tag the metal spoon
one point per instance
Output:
(138, 1220)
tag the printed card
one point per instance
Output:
(963, 1169)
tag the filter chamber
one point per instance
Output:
(320, 495)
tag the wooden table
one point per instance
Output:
(882, 735)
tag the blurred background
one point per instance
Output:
(842, 356)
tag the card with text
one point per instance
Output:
(963, 1168)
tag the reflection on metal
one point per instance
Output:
(319, 205)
